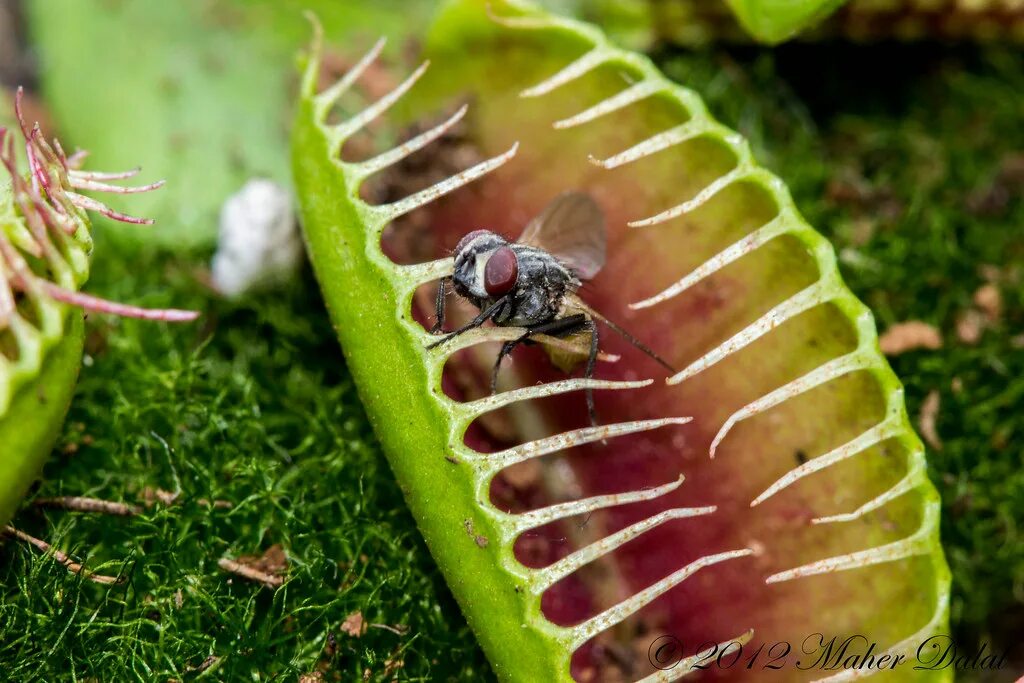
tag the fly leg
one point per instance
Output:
(479, 320)
(439, 306)
(589, 371)
(554, 328)
(506, 349)
(563, 327)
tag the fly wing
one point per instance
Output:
(571, 228)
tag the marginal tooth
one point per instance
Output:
(533, 22)
(438, 354)
(863, 558)
(385, 159)
(733, 252)
(915, 544)
(536, 518)
(80, 183)
(418, 274)
(476, 408)
(685, 667)
(908, 483)
(804, 300)
(92, 303)
(553, 573)
(628, 96)
(576, 437)
(481, 335)
(323, 102)
(100, 175)
(313, 56)
(582, 65)
(90, 204)
(637, 601)
(343, 131)
(694, 128)
(887, 429)
(851, 362)
(389, 212)
(701, 198)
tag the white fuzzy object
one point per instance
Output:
(259, 241)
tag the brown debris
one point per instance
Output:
(986, 312)
(990, 301)
(970, 325)
(927, 419)
(354, 625)
(61, 557)
(266, 568)
(480, 540)
(392, 665)
(151, 495)
(909, 336)
(397, 629)
(203, 666)
(217, 504)
(84, 504)
(311, 677)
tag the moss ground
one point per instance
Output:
(904, 157)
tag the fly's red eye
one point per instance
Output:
(467, 239)
(501, 271)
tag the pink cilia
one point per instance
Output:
(49, 201)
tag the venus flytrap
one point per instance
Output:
(45, 244)
(769, 489)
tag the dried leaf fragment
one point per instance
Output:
(989, 300)
(354, 625)
(927, 420)
(970, 325)
(266, 568)
(909, 336)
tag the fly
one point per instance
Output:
(532, 283)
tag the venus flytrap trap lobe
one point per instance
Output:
(756, 545)
(45, 242)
